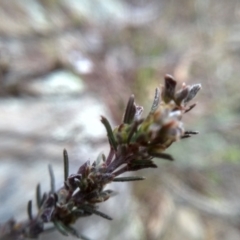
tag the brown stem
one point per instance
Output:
(110, 156)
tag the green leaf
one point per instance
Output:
(128, 179)
(29, 210)
(52, 178)
(138, 164)
(111, 137)
(132, 130)
(61, 228)
(90, 209)
(66, 164)
(38, 196)
(161, 155)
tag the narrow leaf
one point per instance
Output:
(185, 136)
(101, 214)
(96, 197)
(38, 196)
(190, 108)
(99, 160)
(29, 210)
(109, 132)
(169, 88)
(130, 111)
(103, 158)
(156, 100)
(96, 212)
(44, 197)
(61, 228)
(133, 129)
(137, 165)
(194, 89)
(188, 134)
(128, 179)
(191, 132)
(66, 164)
(161, 155)
(52, 178)
(181, 95)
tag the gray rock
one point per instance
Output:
(56, 83)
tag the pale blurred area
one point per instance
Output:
(63, 63)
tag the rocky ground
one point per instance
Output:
(63, 63)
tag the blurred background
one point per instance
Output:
(63, 63)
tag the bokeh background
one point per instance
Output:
(63, 63)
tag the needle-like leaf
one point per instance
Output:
(162, 155)
(66, 164)
(29, 210)
(90, 209)
(52, 178)
(130, 111)
(155, 101)
(128, 179)
(60, 227)
(111, 137)
(38, 196)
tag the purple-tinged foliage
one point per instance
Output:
(133, 146)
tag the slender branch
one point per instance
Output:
(52, 178)
(110, 156)
(133, 146)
